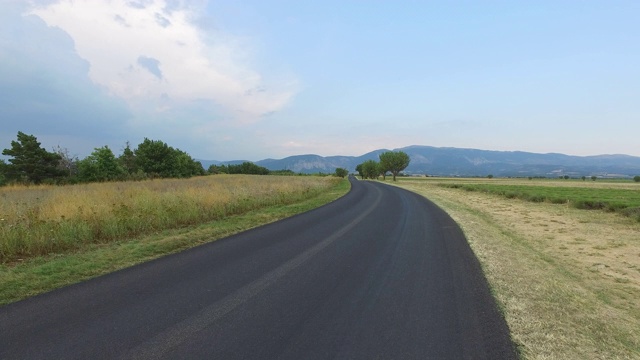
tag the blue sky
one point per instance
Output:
(262, 79)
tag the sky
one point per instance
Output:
(256, 79)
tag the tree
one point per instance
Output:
(155, 158)
(68, 163)
(217, 169)
(360, 171)
(593, 178)
(3, 169)
(342, 172)
(394, 161)
(31, 163)
(101, 165)
(128, 160)
(371, 169)
(490, 176)
(636, 178)
(186, 166)
(247, 168)
(584, 178)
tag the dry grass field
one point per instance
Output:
(567, 280)
(40, 220)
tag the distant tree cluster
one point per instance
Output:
(341, 172)
(247, 168)
(32, 164)
(390, 161)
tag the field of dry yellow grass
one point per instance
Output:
(40, 220)
(567, 280)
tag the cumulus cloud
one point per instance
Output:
(153, 52)
(44, 89)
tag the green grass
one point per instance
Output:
(624, 201)
(36, 275)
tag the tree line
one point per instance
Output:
(30, 163)
(390, 162)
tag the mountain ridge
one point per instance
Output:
(451, 161)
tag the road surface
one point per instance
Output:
(381, 273)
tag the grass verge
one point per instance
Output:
(566, 280)
(36, 275)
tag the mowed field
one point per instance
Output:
(51, 236)
(566, 278)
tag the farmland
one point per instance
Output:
(625, 201)
(566, 279)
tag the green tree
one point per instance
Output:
(394, 162)
(636, 178)
(217, 169)
(101, 165)
(128, 160)
(371, 169)
(360, 171)
(3, 169)
(341, 172)
(30, 162)
(185, 165)
(593, 178)
(155, 158)
(247, 168)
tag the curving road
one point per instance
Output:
(381, 273)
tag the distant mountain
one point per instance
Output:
(428, 160)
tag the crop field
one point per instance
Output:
(567, 280)
(43, 220)
(624, 201)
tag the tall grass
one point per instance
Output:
(40, 220)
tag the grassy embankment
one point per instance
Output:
(566, 279)
(51, 236)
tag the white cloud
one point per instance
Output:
(152, 54)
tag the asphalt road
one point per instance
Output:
(381, 273)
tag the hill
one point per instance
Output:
(444, 161)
